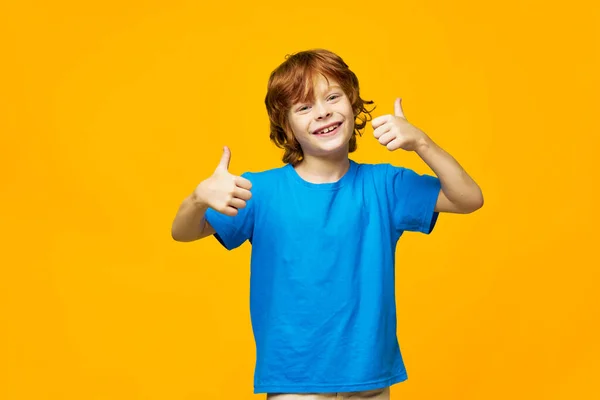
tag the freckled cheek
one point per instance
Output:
(298, 128)
(304, 127)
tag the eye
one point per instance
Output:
(302, 108)
(334, 96)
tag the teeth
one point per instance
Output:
(326, 130)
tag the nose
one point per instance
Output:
(322, 110)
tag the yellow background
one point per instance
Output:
(112, 113)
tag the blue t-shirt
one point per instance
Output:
(322, 293)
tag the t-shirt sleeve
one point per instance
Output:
(232, 232)
(412, 199)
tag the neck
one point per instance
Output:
(323, 170)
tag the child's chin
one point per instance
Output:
(334, 148)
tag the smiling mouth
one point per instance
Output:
(329, 130)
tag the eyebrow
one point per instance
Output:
(329, 88)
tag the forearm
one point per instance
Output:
(460, 189)
(189, 221)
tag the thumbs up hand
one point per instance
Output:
(395, 132)
(222, 191)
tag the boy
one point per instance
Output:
(323, 230)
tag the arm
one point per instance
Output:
(189, 223)
(222, 192)
(460, 193)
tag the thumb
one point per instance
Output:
(225, 158)
(398, 108)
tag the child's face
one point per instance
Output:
(330, 106)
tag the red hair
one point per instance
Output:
(292, 82)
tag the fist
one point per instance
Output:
(395, 132)
(222, 191)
